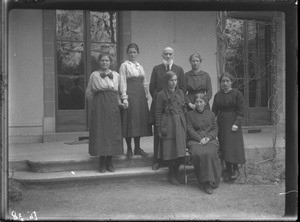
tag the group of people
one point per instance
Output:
(180, 115)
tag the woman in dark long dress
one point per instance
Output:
(105, 132)
(202, 131)
(228, 106)
(171, 125)
(135, 116)
(197, 81)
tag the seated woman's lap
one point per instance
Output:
(199, 150)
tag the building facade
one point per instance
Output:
(51, 54)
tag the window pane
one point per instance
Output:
(69, 25)
(70, 92)
(103, 27)
(70, 58)
(96, 49)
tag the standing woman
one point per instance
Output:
(136, 113)
(105, 132)
(171, 125)
(202, 131)
(228, 106)
(197, 81)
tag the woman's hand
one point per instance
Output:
(125, 103)
(192, 106)
(204, 141)
(234, 128)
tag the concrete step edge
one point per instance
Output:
(26, 177)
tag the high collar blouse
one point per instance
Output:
(129, 70)
(199, 82)
(97, 83)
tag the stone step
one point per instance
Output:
(78, 164)
(254, 154)
(31, 178)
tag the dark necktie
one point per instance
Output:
(168, 67)
(110, 75)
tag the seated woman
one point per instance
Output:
(202, 144)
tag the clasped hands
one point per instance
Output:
(204, 141)
(234, 128)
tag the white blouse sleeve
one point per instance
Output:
(123, 81)
(89, 92)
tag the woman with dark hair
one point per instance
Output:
(197, 81)
(202, 131)
(228, 106)
(105, 132)
(171, 125)
(135, 114)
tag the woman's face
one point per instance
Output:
(172, 82)
(132, 54)
(200, 103)
(195, 62)
(104, 63)
(226, 83)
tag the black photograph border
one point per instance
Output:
(289, 8)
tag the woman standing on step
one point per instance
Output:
(136, 111)
(228, 106)
(171, 125)
(105, 132)
(202, 131)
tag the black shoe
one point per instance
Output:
(102, 168)
(141, 152)
(110, 168)
(129, 154)
(207, 188)
(173, 181)
(234, 175)
(109, 165)
(226, 176)
(155, 166)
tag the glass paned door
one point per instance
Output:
(248, 59)
(80, 37)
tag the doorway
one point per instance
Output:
(80, 37)
(248, 55)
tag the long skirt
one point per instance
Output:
(105, 132)
(206, 161)
(135, 117)
(231, 143)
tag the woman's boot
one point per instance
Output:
(227, 177)
(129, 148)
(234, 174)
(102, 168)
(176, 166)
(109, 165)
(171, 178)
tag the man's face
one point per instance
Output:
(168, 55)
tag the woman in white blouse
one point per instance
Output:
(136, 111)
(105, 132)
